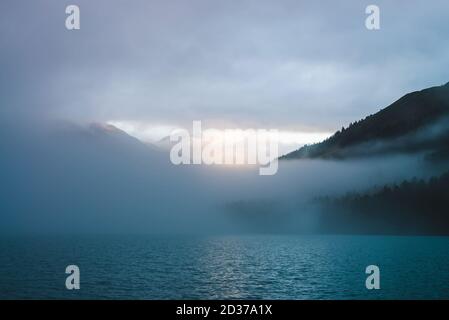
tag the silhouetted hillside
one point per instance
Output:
(411, 207)
(416, 122)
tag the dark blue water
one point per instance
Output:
(233, 267)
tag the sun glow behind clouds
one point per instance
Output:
(155, 133)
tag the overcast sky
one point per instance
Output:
(291, 65)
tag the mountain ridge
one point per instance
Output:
(407, 115)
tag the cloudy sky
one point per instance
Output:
(287, 64)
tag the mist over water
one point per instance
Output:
(71, 178)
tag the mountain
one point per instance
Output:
(417, 122)
(164, 143)
(65, 177)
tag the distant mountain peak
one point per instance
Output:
(105, 127)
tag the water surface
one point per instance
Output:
(227, 267)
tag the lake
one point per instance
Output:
(224, 267)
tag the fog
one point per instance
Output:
(253, 64)
(68, 178)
